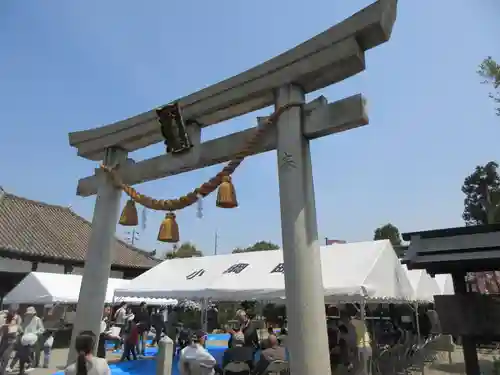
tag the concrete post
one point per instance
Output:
(303, 279)
(99, 254)
(165, 356)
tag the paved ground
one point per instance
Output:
(440, 367)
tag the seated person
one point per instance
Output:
(271, 354)
(264, 344)
(184, 338)
(238, 352)
(195, 359)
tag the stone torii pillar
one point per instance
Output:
(308, 342)
(99, 254)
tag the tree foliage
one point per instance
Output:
(258, 246)
(388, 232)
(490, 71)
(186, 250)
(482, 195)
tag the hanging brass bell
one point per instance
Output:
(129, 215)
(226, 195)
(169, 230)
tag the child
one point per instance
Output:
(48, 338)
(131, 339)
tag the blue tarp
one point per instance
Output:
(148, 366)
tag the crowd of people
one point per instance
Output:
(22, 341)
(241, 355)
(129, 329)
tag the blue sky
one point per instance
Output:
(69, 65)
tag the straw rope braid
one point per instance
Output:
(206, 188)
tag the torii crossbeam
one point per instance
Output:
(330, 57)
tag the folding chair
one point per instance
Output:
(194, 368)
(236, 368)
(277, 367)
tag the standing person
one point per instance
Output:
(86, 363)
(9, 333)
(120, 315)
(173, 322)
(130, 340)
(104, 332)
(120, 318)
(363, 343)
(47, 342)
(31, 328)
(350, 337)
(143, 320)
(212, 318)
(158, 324)
(248, 329)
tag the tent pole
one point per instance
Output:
(415, 307)
(365, 362)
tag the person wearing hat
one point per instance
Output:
(31, 328)
(197, 356)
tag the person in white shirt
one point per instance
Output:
(121, 315)
(195, 358)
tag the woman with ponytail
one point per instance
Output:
(86, 363)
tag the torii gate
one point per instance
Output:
(283, 81)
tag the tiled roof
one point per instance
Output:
(35, 229)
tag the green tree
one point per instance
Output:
(482, 195)
(258, 246)
(481, 206)
(186, 250)
(490, 71)
(388, 232)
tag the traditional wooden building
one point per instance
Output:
(36, 236)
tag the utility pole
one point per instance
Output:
(216, 240)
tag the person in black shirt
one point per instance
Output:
(143, 321)
(158, 323)
(339, 350)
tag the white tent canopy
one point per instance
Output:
(48, 288)
(424, 286)
(364, 270)
(445, 283)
